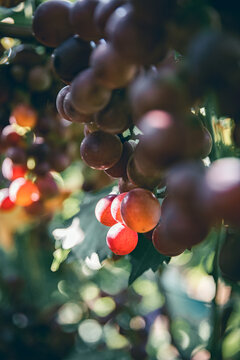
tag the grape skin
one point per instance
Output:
(101, 150)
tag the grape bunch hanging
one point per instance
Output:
(138, 75)
(27, 163)
(33, 140)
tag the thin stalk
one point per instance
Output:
(23, 32)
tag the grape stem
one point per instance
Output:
(23, 32)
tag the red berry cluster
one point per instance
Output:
(26, 165)
(129, 213)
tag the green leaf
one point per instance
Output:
(83, 234)
(94, 232)
(145, 257)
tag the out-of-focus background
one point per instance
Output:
(58, 299)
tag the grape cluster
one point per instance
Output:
(128, 215)
(33, 139)
(26, 163)
(137, 74)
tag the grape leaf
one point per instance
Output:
(84, 235)
(94, 232)
(145, 257)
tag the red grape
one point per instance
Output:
(5, 202)
(103, 210)
(121, 240)
(24, 115)
(12, 171)
(140, 210)
(115, 207)
(9, 136)
(23, 192)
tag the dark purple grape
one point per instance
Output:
(103, 11)
(198, 141)
(59, 102)
(39, 150)
(42, 168)
(183, 183)
(47, 186)
(59, 161)
(213, 59)
(17, 155)
(144, 162)
(111, 69)
(86, 95)
(221, 190)
(163, 138)
(185, 227)
(115, 118)
(120, 168)
(164, 245)
(70, 58)
(82, 19)
(51, 22)
(146, 181)
(101, 150)
(158, 90)
(136, 43)
(73, 114)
